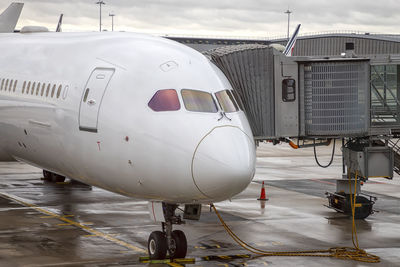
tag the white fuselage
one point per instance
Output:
(115, 141)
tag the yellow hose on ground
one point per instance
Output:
(345, 253)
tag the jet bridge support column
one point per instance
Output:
(362, 159)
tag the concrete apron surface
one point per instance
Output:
(46, 224)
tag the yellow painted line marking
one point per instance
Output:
(225, 257)
(174, 264)
(52, 216)
(63, 224)
(79, 225)
(90, 236)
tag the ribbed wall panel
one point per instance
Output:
(249, 68)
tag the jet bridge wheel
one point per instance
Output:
(363, 207)
(341, 203)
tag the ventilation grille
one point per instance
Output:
(336, 98)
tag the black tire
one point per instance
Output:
(179, 245)
(157, 245)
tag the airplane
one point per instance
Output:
(9, 18)
(134, 114)
(59, 25)
(292, 42)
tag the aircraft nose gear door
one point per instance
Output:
(92, 98)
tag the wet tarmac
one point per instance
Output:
(67, 224)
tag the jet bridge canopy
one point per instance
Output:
(306, 97)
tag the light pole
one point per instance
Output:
(100, 3)
(288, 12)
(112, 15)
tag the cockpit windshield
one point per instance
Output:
(198, 101)
(227, 101)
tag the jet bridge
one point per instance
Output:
(315, 100)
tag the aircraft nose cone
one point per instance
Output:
(224, 163)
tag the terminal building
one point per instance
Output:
(328, 44)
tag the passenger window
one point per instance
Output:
(48, 90)
(165, 100)
(65, 94)
(38, 88)
(15, 85)
(226, 101)
(288, 90)
(43, 87)
(53, 90)
(11, 84)
(33, 88)
(23, 87)
(5, 87)
(59, 91)
(2, 84)
(29, 86)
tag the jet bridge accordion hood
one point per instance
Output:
(297, 96)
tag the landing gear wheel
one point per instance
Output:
(178, 248)
(157, 245)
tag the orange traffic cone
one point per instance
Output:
(262, 196)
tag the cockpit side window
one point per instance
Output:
(238, 99)
(165, 100)
(227, 101)
(198, 101)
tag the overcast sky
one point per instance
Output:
(261, 18)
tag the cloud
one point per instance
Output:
(215, 18)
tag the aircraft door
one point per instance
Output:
(92, 98)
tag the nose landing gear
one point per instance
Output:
(172, 242)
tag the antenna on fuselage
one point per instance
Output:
(59, 25)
